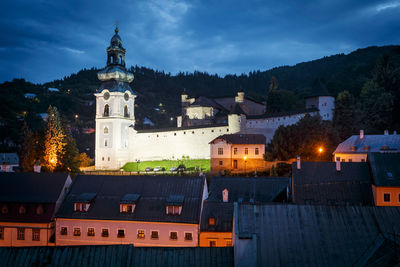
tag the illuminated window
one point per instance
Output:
(22, 210)
(64, 231)
(39, 210)
(1, 233)
(121, 233)
(235, 151)
(154, 234)
(140, 234)
(228, 242)
(174, 210)
(21, 233)
(90, 231)
(220, 151)
(246, 151)
(213, 243)
(188, 236)
(104, 232)
(257, 151)
(127, 208)
(105, 130)
(35, 234)
(77, 231)
(81, 207)
(386, 197)
(173, 235)
(211, 221)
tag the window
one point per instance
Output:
(90, 231)
(105, 142)
(121, 233)
(257, 151)
(220, 151)
(81, 207)
(220, 162)
(64, 231)
(140, 234)
(399, 197)
(362, 160)
(173, 235)
(106, 110)
(1, 233)
(127, 208)
(104, 232)
(235, 164)
(106, 130)
(386, 197)
(350, 160)
(235, 151)
(21, 233)
(126, 112)
(108, 158)
(228, 242)
(211, 221)
(154, 234)
(174, 210)
(35, 234)
(188, 237)
(4, 209)
(246, 151)
(77, 231)
(213, 243)
(39, 210)
(22, 209)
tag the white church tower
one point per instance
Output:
(115, 103)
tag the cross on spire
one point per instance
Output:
(116, 26)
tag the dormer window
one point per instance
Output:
(83, 202)
(22, 209)
(211, 221)
(128, 203)
(39, 210)
(174, 204)
(4, 209)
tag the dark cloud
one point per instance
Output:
(45, 40)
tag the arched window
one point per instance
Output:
(22, 209)
(106, 130)
(126, 113)
(120, 59)
(39, 210)
(106, 110)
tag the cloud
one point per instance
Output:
(72, 51)
(387, 5)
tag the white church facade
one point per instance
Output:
(202, 120)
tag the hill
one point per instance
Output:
(159, 92)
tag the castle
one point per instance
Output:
(202, 119)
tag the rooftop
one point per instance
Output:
(320, 183)
(282, 114)
(154, 191)
(370, 143)
(242, 139)
(221, 212)
(385, 168)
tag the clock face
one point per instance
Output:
(126, 96)
(106, 95)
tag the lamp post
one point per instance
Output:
(138, 161)
(245, 160)
(320, 150)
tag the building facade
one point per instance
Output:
(202, 120)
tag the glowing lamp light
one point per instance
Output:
(52, 160)
(320, 150)
(245, 158)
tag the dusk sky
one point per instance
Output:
(46, 40)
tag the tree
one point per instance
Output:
(344, 118)
(273, 85)
(54, 142)
(27, 155)
(84, 160)
(70, 159)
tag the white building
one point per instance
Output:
(203, 119)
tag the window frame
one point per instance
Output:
(246, 150)
(211, 221)
(105, 232)
(153, 236)
(384, 197)
(220, 150)
(35, 234)
(187, 234)
(141, 234)
(2, 233)
(121, 233)
(64, 230)
(256, 151)
(171, 237)
(20, 233)
(77, 231)
(90, 232)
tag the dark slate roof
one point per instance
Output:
(370, 143)
(282, 114)
(247, 189)
(223, 214)
(113, 85)
(171, 129)
(320, 183)
(385, 168)
(10, 158)
(237, 109)
(23, 187)
(154, 192)
(116, 255)
(242, 139)
(204, 101)
(307, 235)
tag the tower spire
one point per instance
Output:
(116, 27)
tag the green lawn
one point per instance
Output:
(190, 164)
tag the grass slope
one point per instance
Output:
(190, 164)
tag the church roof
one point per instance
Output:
(115, 86)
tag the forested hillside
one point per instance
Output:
(367, 75)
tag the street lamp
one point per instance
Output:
(245, 160)
(138, 161)
(320, 150)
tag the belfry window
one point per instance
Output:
(106, 130)
(106, 110)
(126, 113)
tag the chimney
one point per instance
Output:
(361, 134)
(225, 194)
(298, 163)
(386, 132)
(338, 164)
(37, 167)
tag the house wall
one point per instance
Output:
(394, 196)
(130, 227)
(10, 234)
(222, 239)
(354, 157)
(199, 112)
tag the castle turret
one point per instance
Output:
(322, 100)
(237, 120)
